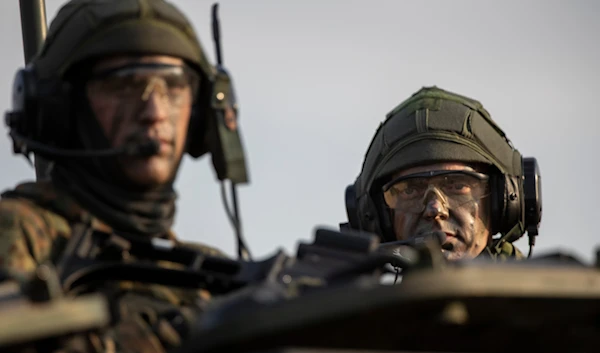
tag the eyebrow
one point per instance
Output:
(105, 72)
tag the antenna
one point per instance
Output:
(232, 160)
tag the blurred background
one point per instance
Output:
(314, 80)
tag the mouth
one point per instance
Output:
(149, 135)
(164, 147)
(156, 137)
(447, 247)
(165, 141)
(451, 240)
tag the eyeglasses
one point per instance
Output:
(456, 188)
(137, 82)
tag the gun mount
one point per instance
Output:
(327, 298)
(63, 303)
(543, 304)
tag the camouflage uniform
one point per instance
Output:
(37, 218)
(35, 223)
(504, 252)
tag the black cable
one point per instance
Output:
(234, 219)
(531, 244)
(243, 251)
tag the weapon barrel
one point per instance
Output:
(33, 26)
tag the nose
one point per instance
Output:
(154, 108)
(435, 206)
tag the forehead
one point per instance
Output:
(117, 61)
(434, 166)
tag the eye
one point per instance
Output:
(409, 191)
(125, 86)
(458, 185)
(176, 81)
(463, 188)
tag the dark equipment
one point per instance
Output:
(327, 298)
(91, 259)
(544, 304)
(33, 29)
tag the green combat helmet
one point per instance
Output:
(436, 126)
(84, 30)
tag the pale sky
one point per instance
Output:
(315, 78)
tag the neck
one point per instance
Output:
(144, 212)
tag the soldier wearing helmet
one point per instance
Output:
(119, 92)
(439, 163)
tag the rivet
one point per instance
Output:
(287, 279)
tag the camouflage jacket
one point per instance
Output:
(35, 222)
(504, 252)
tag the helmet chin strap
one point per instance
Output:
(496, 247)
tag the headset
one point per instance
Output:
(516, 205)
(40, 122)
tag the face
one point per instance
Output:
(137, 99)
(456, 204)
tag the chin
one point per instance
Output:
(454, 256)
(149, 174)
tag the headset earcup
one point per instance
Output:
(514, 207)
(23, 118)
(532, 191)
(498, 203)
(40, 110)
(196, 136)
(506, 203)
(352, 207)
(200, 121)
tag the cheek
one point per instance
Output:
(103, 112)
(111, 118)
(468, 214)
(478, 217)
(402, 223)
(475, 220)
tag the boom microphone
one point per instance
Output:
(131, 149)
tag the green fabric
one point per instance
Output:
(505, 251)
(85, 29)
(434, 125)
(35, 223)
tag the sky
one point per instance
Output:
(314, 79)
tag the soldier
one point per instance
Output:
(123, 90)
(439, 163)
